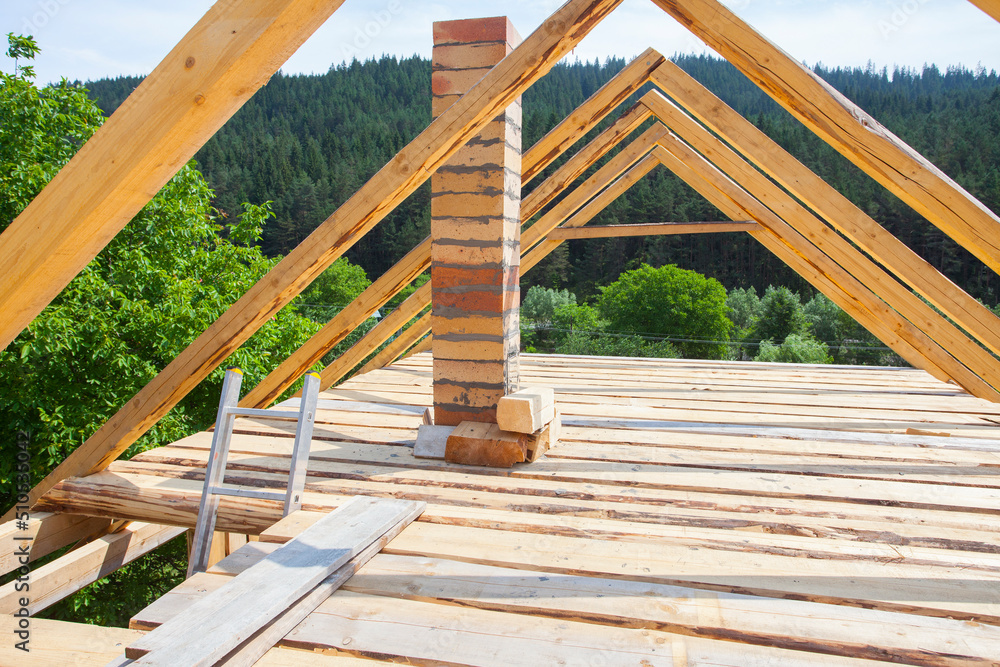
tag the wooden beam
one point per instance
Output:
(796, 251)
(981, 371)
(340, 326)
(220, 621)
(991, 7)
(84, 565)
(400, 344)
(533, 162)
(423, 346)
(382, 332)
(45, 533)
(584, 159)
(595, 206)
(60, 643)
(846, 127)
(391, 185)
(833, 207)
(651, 229)
(230, 53)
(588, 114)
(604, 176)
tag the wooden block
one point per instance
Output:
(220, 621)
(429, 416)
(527, 410)
(544, 439)
(483, 444)
(432, 441)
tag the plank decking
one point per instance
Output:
(693, 513)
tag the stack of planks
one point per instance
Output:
(719, 513)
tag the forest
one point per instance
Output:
(303, 144)
(306, 143)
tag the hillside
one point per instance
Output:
(308, 142)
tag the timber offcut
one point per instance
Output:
(691, 513)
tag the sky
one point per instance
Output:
(91, 39)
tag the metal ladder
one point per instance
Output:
(215, 471)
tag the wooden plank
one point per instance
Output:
(218, 623)
(847, 128)
(205, 78)
(831, 629)
(663, 517)
(827, 628)
(61, 643)
(441, 632)
(526, 410)
(249, 652)
(45, 533)
(545, 438)
(651, 229)
(396, 181)
(833, 207)
(842, 288)
(84, 565)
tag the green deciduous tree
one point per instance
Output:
(540, 303)
(781, 314)
(795, 349)
(682, 305)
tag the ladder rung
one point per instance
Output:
(254, 412)
(244, 492)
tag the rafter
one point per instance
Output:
(846, 127)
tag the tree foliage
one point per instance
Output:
(682, 305)
(541, 303)
(795, 349)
